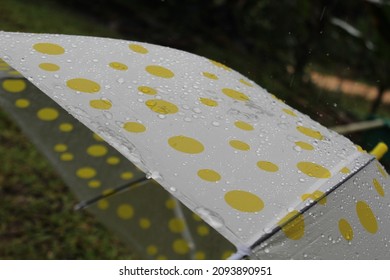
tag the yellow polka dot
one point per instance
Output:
(127, 175)
(359, 148)
(144, 223)
(345, 229)
(226, 254)
(94, 184)
(108, 192)
(151, 250)
(180, 247)
(186, 144)
(313, 170)
(159, 71)
(345, 170)
(161, 106)
(86, 172)
(161, 257)
(239, 145)
(235, 94)
(51, 67)
(138, 48)
(381, 170)
(210, 75)
(66, 157)
(49, 48)
(176, 225)
(294, 229)
(47, 114)
(83, 85)
(170, 203)
(378, 187)
(22, 103)
(245, 82)
(243, 125)
(97, 137)
(196, 217)
(147, 90)
(97, 150)
(202, 230)
(289, 112)
(102, 204)
(200, 255)
(14, 85)
(60, 148)
(66, 127)
(134, 127)
(277, 99)
(209, 175)
(125, 211)
(316, 196)
(113, 160)
(366, 217)
(220, 65)
(310, 132)
(118, 66)
(208, 102)
(244, 201)
(304, 145)
(100, 104)
(267, 166)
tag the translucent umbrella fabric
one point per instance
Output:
(244, 161)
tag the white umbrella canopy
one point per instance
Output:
(251, 166)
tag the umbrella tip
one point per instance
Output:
(240, 254)
(380, 150)
(80, 205)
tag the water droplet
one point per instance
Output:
(108, 115)
(267, 230)
(216, 123)
(120, 80)
(134, 157)
(210, 217)
(197, 110)
(298, 149)
(155, 175)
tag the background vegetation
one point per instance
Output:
(278, 44)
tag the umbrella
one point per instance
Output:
(269, 179)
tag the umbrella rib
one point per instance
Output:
(178, 210)
(83, 204)
(305, 209)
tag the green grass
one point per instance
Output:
(37, 220)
